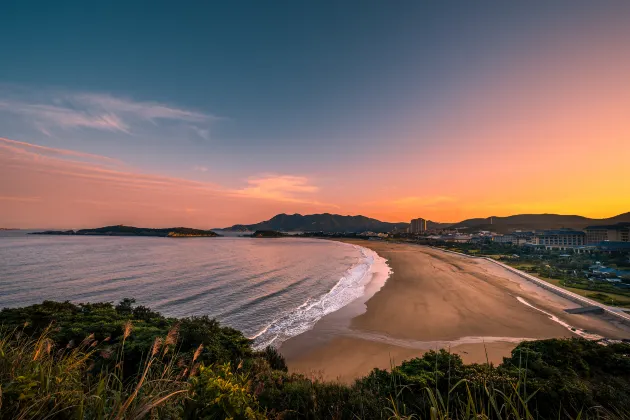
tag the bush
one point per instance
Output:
(60, 360)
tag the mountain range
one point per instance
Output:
(536, 222)
(327, 222)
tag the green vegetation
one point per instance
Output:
(105, 361)
(562, 268)
(268, 234)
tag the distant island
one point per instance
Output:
(268, 234)
(121, 230)
(327, 224)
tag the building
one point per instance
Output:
(559, 239)
(523, 238)
(504, 239)
(613, 233)
(614, 246)
(418, 226)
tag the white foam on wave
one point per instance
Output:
(350, 287)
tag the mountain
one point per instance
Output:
(536, 222)
(321, 223)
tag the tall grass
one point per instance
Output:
(87, 380)
(40, 380)
(486, 397)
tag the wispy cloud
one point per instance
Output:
(50, 110)
(289, 188)
(96, 168)
(23, 147)
(20, 199)
(198, 168)
(79, 189)
(420, 201)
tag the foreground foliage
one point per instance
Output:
(105, 361)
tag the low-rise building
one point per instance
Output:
(614, 247)
(619, 232)
(560, 239)
(505, 239)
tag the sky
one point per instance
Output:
(208, 114)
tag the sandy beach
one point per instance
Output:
(432, 300)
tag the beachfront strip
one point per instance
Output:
(608, 238)
(581, 300)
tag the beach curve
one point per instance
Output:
(435, 300)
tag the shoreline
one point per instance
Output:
(434, 300)
(352, 289)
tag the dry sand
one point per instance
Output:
(434, 299)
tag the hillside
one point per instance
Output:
(103, 360)
(321, 223)
(537, 222)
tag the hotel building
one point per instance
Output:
(613, 233)
(560, 239)
(418, 226)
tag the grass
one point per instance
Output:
(39, 378)
(604, 297)
(42, 381)
(493, 399)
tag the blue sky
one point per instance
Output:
(285, 77)
(226, 91)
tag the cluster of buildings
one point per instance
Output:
(610, 238)
(599, 272)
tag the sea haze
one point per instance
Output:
(271, 289)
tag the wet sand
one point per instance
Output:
(434, 299)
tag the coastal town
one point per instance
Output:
(607, 238)
(593, 262)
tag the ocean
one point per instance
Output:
(270, 289)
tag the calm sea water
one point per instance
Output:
(270, 289)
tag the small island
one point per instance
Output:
(268, 234)
(121, 230)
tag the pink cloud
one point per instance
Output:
(280, 187)
(46, 187)
(43, 150)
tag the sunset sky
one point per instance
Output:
(192, 114)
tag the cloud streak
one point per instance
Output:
(280, 187)
(417, 201)
(20, 199)
(80, 189)
(53, 110)
(23, 147)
